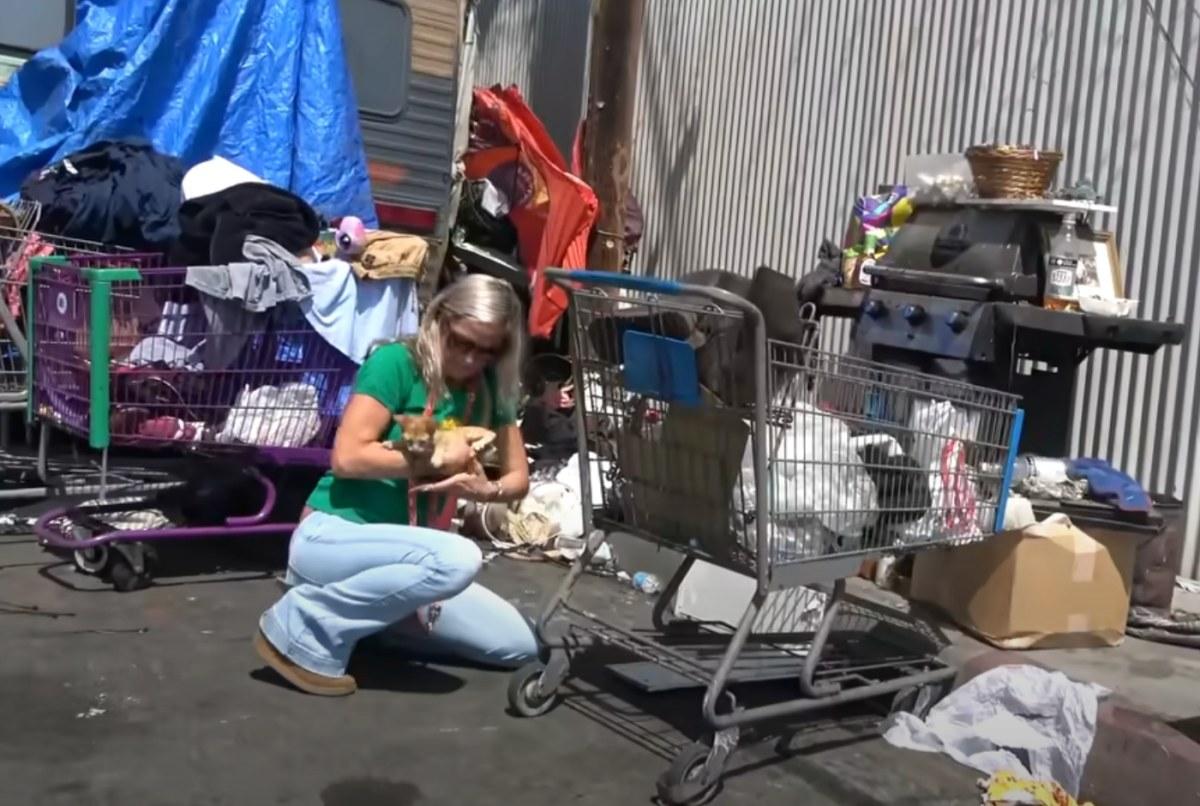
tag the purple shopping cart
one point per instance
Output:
(24, 475)
(130, 356)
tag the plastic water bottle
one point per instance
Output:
(646, 582)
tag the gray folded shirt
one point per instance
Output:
(236, 296)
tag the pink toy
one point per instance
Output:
(351, 237)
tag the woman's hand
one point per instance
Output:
(469, 486)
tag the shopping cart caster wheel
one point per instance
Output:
(92, 561)
(122, 574)
(524, 695)
(918, 700)
(689, 780)
(89, 561)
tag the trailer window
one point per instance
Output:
(378, 39)
(28, 27)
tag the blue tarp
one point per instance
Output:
(263, 83)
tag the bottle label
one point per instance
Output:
(1060, 277)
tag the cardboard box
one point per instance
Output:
(1050, 585)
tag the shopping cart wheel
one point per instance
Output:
(691, 778)
(525, 695)
(918, 700)
(89, 561)
(92, 561)
(122, 570)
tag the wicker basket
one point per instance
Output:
(1012, 172)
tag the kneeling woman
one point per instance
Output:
(358, 562)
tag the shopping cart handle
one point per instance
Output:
(615, 279)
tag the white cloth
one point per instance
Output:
(213, 176)
(160, 350)
(274, 416)
(1006, 715)
(352, 314)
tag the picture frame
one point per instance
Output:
(1109, 274)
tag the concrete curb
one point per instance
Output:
(1137, 759)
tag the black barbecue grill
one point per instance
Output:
(959, 294)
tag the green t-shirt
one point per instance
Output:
(390, 375)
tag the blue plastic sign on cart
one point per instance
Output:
(661, 367)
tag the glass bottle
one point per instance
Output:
(1062, 268)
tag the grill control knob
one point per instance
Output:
(875, 309)
(915, 314)
(958, 321)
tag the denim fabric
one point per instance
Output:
(353, 580)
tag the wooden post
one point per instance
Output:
(608, 136)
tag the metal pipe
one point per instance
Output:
(264, 511)
(50, 537)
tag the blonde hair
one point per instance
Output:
(484, 299)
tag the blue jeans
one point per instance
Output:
(352, 580)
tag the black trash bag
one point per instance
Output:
(478, 225)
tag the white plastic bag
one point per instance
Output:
(1007, 716)
(821, 496)
(278, 416)
(941, 432)
(816, 469)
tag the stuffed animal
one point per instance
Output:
(350, 237)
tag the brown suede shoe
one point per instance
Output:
(308, 682)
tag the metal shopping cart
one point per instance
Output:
(778, 461)
(130, 356)
(22, 243)
(17, 221)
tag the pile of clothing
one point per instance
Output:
(253, 335)
(114, 193)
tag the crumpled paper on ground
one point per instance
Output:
(1021, 719)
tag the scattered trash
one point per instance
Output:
(91, 713)
(1009, 717)
(547, 524)
(11, 524)
(1189, 585)
(885, 572)
(16, 609)
(646, 582)
(106, 631)
(1179, 627)
(570, 546)
(604, 556)
(1004, 788)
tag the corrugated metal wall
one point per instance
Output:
(759, 123)
(542, 47)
